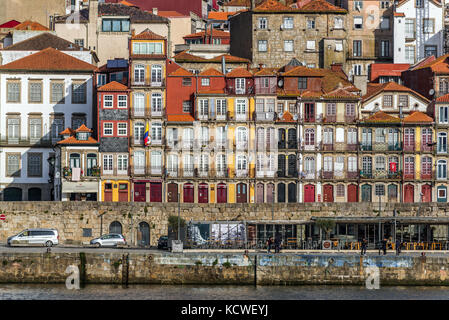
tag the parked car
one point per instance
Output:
(34, 237)
(162, 243)
(108, 240)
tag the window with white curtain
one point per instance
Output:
(139, 104)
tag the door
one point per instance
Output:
(12, 194)
(270, 193)
(34, 194)
(260, 193)
(203, 193)
(392, 193)
(172, 195)
(115, 227)
(188, 193)
(427, 193)
(242, 193)
(309, 193)
(143, 236)
(292, 193)
(309, 112)
(221, 193)
(328, 195)
(281, 192)
(108, 192)
(353, 193)
(156, 192)
(366, 193)
(409, 193)
(139, 192)
(123, 192)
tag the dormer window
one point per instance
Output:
(82, 136)
(302, 83)
(205, 82)
(240, 85)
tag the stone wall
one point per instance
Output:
(221, 268)
(70, 218)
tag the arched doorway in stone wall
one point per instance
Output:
(115, 227)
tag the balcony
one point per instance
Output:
(149, 83)
(352, 174)
(327, 174)
(242, 145)
(241, 117)
(241, 173)
(410, 36)
(395, 147)
(203, 172)
(239, 91)
(380, 146)
(409, 147)
(90, 173)
(265, 174)
(137, 140)
(366, 174)
(366, 147)
(281, 144)
(327, 147)
(409, 176)
(221, 117)
(350, 119)
(156, 142)
(280, 174)
(426, 147)
(156, 170)
(292, 144)
(330, 119)
(264, 116)
(266, 90)
(351, 147)
(156, 113)
(172, 172)
(138, 112)
(139, 170)
(426, 175)
(292, 173)
(187, 144)
(188, 172)
(221, 173)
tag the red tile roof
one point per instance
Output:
(444, 98)
(271, 6)
(73, 140)
(31, 25)
(286, 117)
(147, 34)
(211, 72)
(387, 69)
(238, 3)
(265, 72)
(182, 72)
(301, 71)
(223, 16)
(239, 73)
(319, 6)
(341, 93)
(49, 60)
(399, 14)
(228, 58)
(438, 65)
(10, 24)
(171, 14)
(113, 86)
(417, 117)
(184, 56)
(67, 131)
(215, 33)
(382, 117)
(83, 128)
(390, 87)
(180, 118)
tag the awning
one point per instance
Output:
(389, 219)
(80, 187)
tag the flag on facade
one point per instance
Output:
(146, 135)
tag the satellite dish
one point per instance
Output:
(431, 92)
(295, 117)
(280, 83)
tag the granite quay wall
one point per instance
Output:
(221, 268)
(79, 222)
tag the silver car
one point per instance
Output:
(35, 237)
(108, 240)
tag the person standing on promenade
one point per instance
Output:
(364, 245)
(269, 244)
(398, 247)
(277, 243)
(384, 245)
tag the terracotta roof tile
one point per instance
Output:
(180, 118)
(444, 98)
(390, 87)
(239, 73)
(265, 72)
(238, 3)
(9, 24)
(73, 140)
(113, 86)
(321, 6)
(211, 72)
(417, 117)
(43, 41)
(184, 56)
(228, 58)
(83, 128)
(438, 65)
(147, 34)
(387, 69)
(31, 25)
(67, 131)
(171, 14)
(341, 93)
(381, 117)
(49, 60)
(222, 16)
(301, 71)
(181, 72)
(271, 6)
(215, 33)
(399, 14)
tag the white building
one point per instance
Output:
(40, 95)
(418, 30)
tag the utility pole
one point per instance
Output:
(379, 219)
(179, 216)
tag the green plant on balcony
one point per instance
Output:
(67, 171)
(95, 171)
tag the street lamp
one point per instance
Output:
(272, 204)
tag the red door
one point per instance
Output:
(353, 193)
(309, 193)
(221, 193)
(427, 193)
(409, 193)
(172, 195)
(188, 193)
(123, 192)
(259, 198)
(328, 193)
(156, 192)
(242, 193)
(139, 192)
(203, 193)
(108, 192)
(270, 193)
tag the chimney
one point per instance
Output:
(260, 66)
(337, 67)
(251, 7)
(155, 11)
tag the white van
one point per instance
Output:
(35, 237)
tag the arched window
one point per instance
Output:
(441, 169)
(139, 129)
(426, 167)
(156, 103)
(156, 132)
(309, 137)
(242, 137)
(242, 164)
(91, 163)
(115, 227)
(156, 75)
(172, 165)
(75, 160)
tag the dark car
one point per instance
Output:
(162, 243)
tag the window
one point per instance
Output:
(441, 169)
(380, 190)
(331, 109)
(186, 82)
(367, 165)
(302, 83)
(204, 107)
(352, 164)
(260, 105)
(292, 108)
(410, 28)
(358, 23)
(204, 135)
(288, 45)
(409, 166)
(410, 54)
(357, 48)
(156, 132)
(388, 101)
(270, 105)
(262, 45)
(444, 86)
(310, 23)
(263, 23)
(13, 165)
(327, 165)
(280, 107)
(35, 92)
(122, 101)
(385, 4)
(122, 129)
(107, 101)
(352, 136)
(108, 128)
(338, 45)
(139, 104)
(357, 69)
(310, 45)
(338, 23)
(139, 161)
(34, 165)
(79, 42)
(403, 101)
(358, 5)
(309, 165)
(380, 163)
(288, 23)
(35, 129)
(122, 163)
(419, 3)
(57, 92)
(340, 190)
(428, 25)
(156, 102)
(264, 82)
(309, 137)
(13, 89)
(384, 48)
(13, 130)
(242, 136)
(242, 163)
(186, 107)
(204, 163)
(205, 82)
(384, 23)
(57, 126)
(139, 74)
(442, 142)
(240, 85)
(328, 136)
(156, 160)
(380, 135)
(430, 51)
(107, 163)
(443, 118)
(147, 48)
(115, 25)
(426, 166)
(79, 92)
(350, 109)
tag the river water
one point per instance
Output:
(199, 292)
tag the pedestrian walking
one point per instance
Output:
(384, 245)
(364, 245)
(277, 243)
(398, 247)
(269, 244)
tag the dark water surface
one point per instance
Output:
(198, 292)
